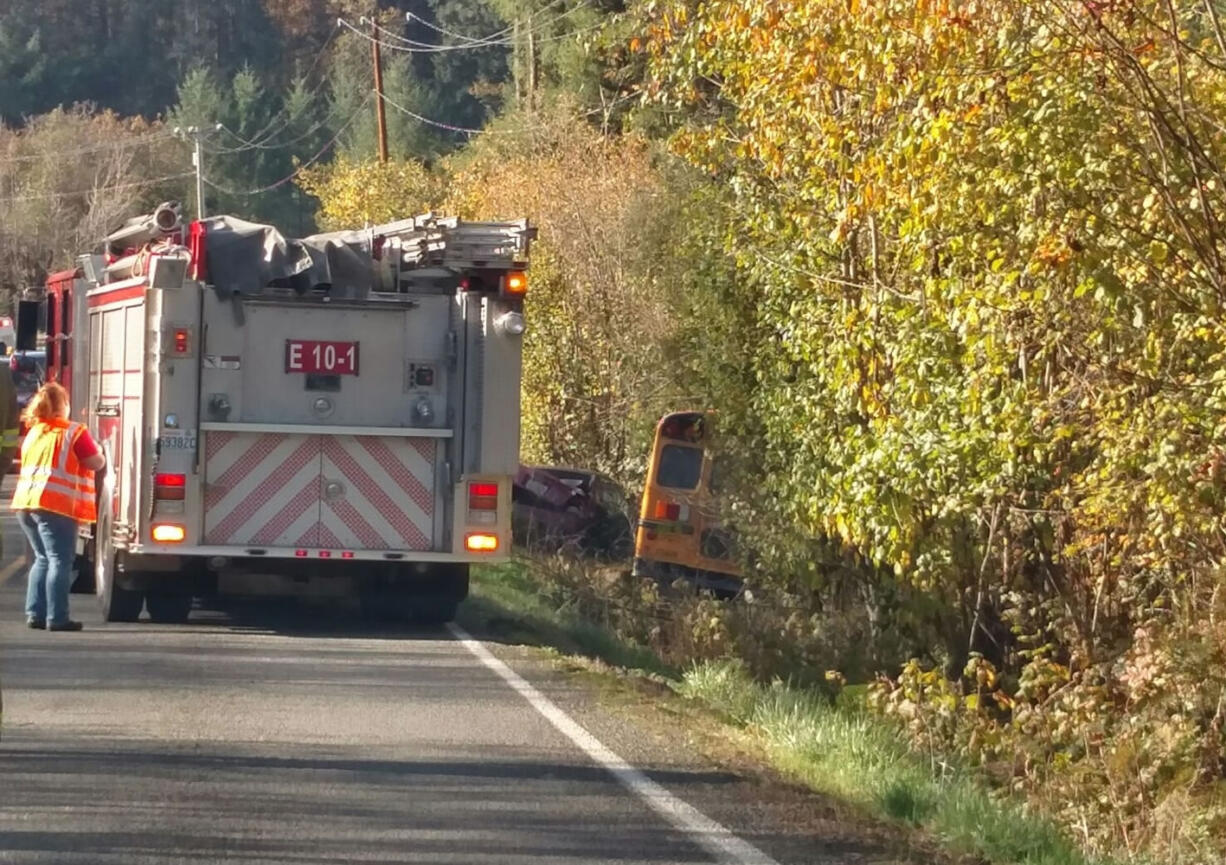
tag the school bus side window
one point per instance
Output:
(680, 467)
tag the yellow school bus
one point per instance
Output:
(679, 535)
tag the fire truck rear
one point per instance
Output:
(334, 416)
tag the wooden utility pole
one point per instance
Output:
(531, 67)
(517, 60)
(380, 111)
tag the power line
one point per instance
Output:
(555, 38)
(447, 126)
(253, 144)
(260, 137)
(442, 31)
(523, 130)
(415, 47)
(412, 46)
(259, 141)
(301, 168)
(97, 189)
(496, 38)
(332, 115)
(95, 148)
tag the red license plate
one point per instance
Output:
(327, 358)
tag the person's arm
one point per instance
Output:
(88, 452)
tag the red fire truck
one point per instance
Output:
(336, 415)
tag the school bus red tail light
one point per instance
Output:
(167, 533)
(479, 542)
(668, 511)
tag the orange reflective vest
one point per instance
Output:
(52, 478)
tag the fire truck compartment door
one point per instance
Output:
(338, 492)
(319, 364)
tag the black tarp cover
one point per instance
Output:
(244, 258)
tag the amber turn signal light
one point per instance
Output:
(481, 543)
(169, 534)
(515, 283)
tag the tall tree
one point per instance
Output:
(24, 73)
(250, 158)
(352, 103)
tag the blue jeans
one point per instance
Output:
(53, 538)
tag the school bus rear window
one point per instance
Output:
(680, 467)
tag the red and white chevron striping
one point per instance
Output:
(247, 479)
(388, 501)
(271, 489)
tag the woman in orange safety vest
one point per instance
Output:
(55, 493)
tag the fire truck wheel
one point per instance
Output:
(117, 604)
(171, 608)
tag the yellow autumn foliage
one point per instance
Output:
(353, 194)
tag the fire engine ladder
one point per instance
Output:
(430, 241)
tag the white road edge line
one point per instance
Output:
(713, 837)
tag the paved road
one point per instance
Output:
(305, 737)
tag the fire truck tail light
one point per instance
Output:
(479, 542)
(515, 284)
(169, 488)
(482, 497)
(169, 534)
(346, 555)
(180, 341)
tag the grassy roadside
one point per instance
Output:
(839, 750)
(505, 602)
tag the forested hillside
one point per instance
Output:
(951, 273)
(131, 56)
(90, 93)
